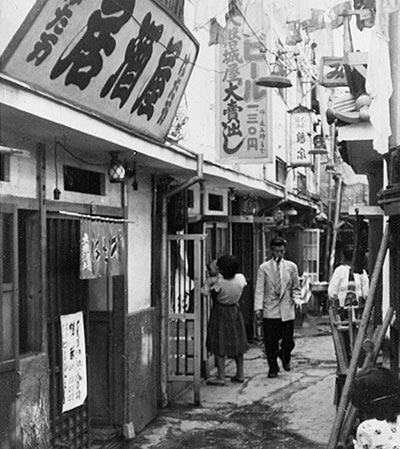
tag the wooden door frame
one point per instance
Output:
(13, 364)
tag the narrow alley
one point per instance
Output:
(179, 178)
(293, 411)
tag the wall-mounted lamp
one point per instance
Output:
(119, 171)
(332, 170)
(291, 212)
(321, 217)
(116, 170)
(319, 146)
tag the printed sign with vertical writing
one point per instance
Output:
(300, 136)
(243, 133)
(73, 361)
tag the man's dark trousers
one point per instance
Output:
(276, 330)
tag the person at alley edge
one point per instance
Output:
(277, 291)
(226, 334)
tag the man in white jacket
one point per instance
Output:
(277, 291)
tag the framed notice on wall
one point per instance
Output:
(73, 361)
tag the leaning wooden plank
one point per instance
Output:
(344, 399)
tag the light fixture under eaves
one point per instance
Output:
(274, 80)
(116, 170)
(319, 145)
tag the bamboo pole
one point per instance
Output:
(337, 425)
(370, 360)
(339, 185)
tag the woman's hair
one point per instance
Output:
(212, 267)
(376, 393)
(228, 266)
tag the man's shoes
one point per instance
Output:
(272, 374)
(286, 366)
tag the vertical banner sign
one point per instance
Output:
(300, 136)
(127, 61)
(243, 134)
(73, 360)
(102, 249)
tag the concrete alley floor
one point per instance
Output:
(293, 411)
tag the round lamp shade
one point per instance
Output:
(116, 171)
(275, 79)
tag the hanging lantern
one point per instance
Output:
(319, 146)
(116, 170)
(276, 78)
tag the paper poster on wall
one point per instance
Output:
(73, 361)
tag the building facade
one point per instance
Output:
(91, 191)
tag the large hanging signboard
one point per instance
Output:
(102, 249)
(73, 361)
(243, 130)
(126, 61)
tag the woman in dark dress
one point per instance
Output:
(226, 336)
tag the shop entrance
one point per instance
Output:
(188, 310)
(101, 302)
(67, 294)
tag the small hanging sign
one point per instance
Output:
(102, 249)
(301, 137)
(332, 72)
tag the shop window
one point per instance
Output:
(4, 167)
(301, 183)
(215, 202)
(190, 199)
(83, 181)
(217, 240)
(280, 171)
(311, 239)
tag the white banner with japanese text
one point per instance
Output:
(127, 61)
(243, 130)
(301, 134)
(102, 249)
(73, 360)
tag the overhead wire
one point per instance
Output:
(263, 50)
(58, 143)
(194, 64)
